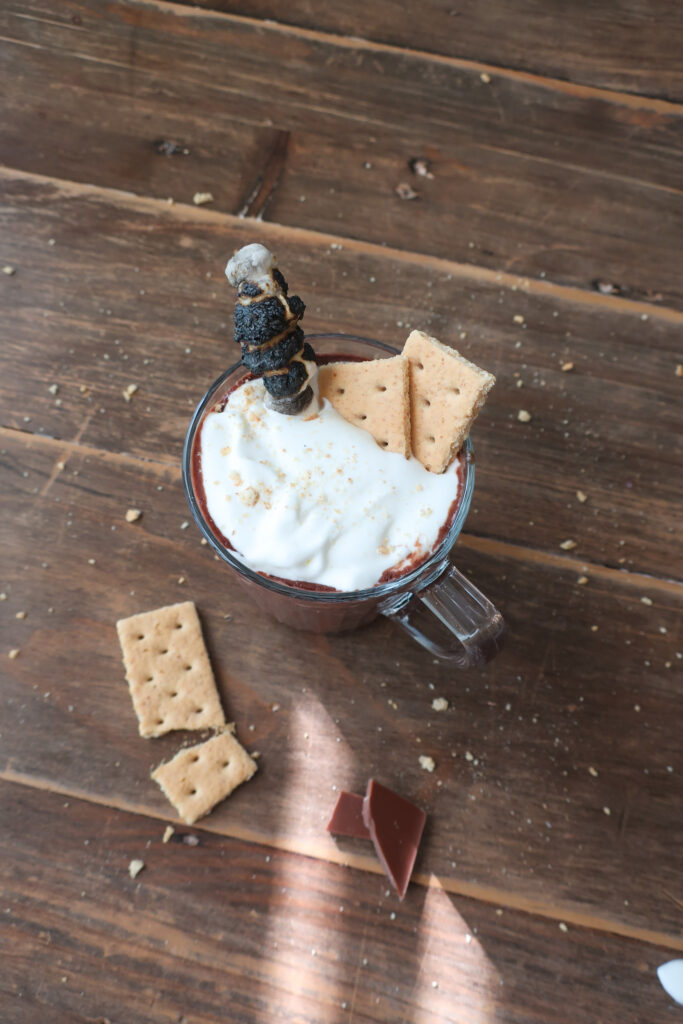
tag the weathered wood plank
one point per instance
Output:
(489, 207)
(526, 177)
(295, 81)
(151, 307)
(232, 931)
(633, 45)
(515, 814)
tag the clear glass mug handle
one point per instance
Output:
(451, 618)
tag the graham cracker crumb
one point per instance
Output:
(568, 545)
(135, 867)
(14, 653)
(581, 496)
(129, 391)
(133, 515)
(168, 832)
(201, 198)
(405, 191)
(199, 777)
(440, 704)
(523, 416)
(426, 763)
(249, 496)
(567, 367)
(10, 271)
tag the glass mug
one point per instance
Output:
(434, 602)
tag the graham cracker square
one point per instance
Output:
(446, 393)
(199, 777)
(168, 670)
(373, 395)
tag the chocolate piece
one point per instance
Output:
(347, 817)
(395, 826)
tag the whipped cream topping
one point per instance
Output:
(317, 500)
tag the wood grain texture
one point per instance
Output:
(551, 183)
(151, 307)
(515, 815)
(490, 207)
(632, 45)
(232, 931)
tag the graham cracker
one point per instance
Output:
(199, 777)
(168, 671)
(446, 393)
(373, 395)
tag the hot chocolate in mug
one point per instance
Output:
(434, 603)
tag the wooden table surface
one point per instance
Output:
(547, 231)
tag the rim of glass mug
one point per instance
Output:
(432, 566)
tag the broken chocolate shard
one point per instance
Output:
(347, 817)
(395, 826)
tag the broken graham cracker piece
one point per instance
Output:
(373, 395)
(199, 777)
(168, 671)
(446, 393)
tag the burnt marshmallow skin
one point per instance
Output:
(298, 492)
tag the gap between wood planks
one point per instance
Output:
(627, 99)
(474, 542)
(323, 240)
(361, 862)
